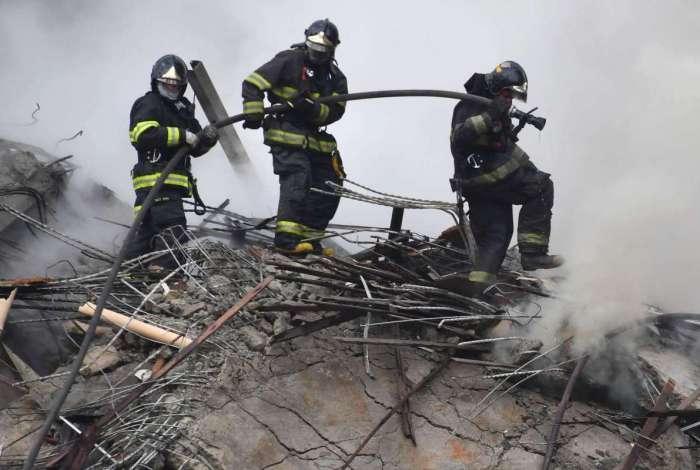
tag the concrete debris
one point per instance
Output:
(282, 383)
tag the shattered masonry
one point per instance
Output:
(296, 381)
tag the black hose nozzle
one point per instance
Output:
(538, 122)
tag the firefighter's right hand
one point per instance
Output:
(253, 121)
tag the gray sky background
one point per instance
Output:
(618, 82)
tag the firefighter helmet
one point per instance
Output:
(321, 40)
(169, 77)
(509, 76)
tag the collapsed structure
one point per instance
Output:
(242, 358)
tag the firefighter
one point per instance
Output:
(162, 121)
(494, 173)
(304, 155)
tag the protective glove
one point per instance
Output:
(253, 121)
(191, 139)
(498, 112)
(305, 106)
(210, 136)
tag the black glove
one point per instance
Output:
(499, 107)
(305, 106)
(253, 121)
(210, 136)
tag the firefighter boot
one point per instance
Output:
(300, 249)
(321, 250)
(533, 261)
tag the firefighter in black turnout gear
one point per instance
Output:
(494, 173)
(304, 155)
(161, 122)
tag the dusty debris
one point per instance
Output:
(99, 359)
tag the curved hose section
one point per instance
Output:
(179, 155)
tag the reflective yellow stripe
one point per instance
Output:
(517, 158)
(323, 114)
(299, 140)
(259, 81)
(137, 209)
(139, 128)
(253, 107)
(482, 276)
(312, 233)
(339, 103)
(531, 238)
(285, 92)
(287, 138)
(293, 228)
(479, 124)
(148, 181)
(173, 136)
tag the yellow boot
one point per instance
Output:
(300, 249)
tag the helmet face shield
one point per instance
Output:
(318, 51)
(169, 77)
(508, 76)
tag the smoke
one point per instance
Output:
(617, 82)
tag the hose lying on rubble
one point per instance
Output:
(60, 398)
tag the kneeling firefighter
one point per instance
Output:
(304, 155)
(493, 174)
(161, 122)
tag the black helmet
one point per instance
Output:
(169, 77)
(510, 76)
(321, 40)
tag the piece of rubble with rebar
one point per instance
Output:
(378, 360)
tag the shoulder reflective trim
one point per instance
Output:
(258, 81)
(482, 276)
(253, 107)
(516, 160)
(148, 181)
(479, 124)
(323, 113)
(293, 228)
(285, 92)
(339, 103)
(173, 136)
(531, 238)
(139, 128)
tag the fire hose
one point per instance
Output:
(87, 439)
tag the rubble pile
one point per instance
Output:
(238, 357)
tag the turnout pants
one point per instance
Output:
(302, 213)
(491, 218)
(164, 221)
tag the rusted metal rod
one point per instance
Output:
(89, 438)
(396, 408)
(554, 433)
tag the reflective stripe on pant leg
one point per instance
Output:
(531, 238)
(482, 276)
(292, 228)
